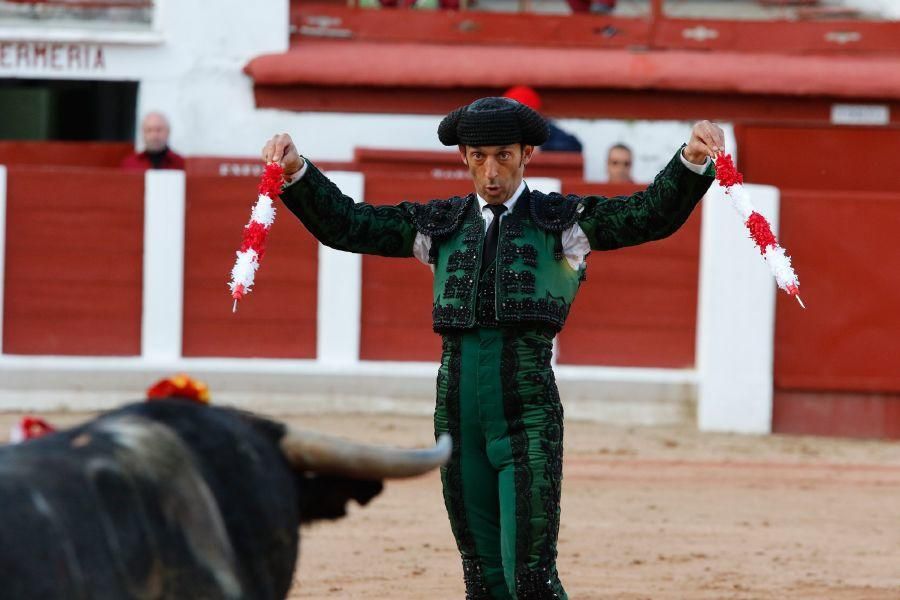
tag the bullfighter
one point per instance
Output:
(507, 263)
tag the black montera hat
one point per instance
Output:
(493, 121)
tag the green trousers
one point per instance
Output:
(497, 397)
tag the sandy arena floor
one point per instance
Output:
(648, 513)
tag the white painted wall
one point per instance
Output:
(163, 284)
(736, 318)
(887, 9)
(190, 68)
(547, 185)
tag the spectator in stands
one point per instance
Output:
(618, 164)
(559, 140)
(601, 7)
(156, 154)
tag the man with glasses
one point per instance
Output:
(618, 164)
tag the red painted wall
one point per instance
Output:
(73, 154)
(278, 319)
(821, 158)
(845, 414)
(844, 248)
(800, 67)
(396, 292)
(314, 20)
(74, 242)
(638, 306)
(835, 363)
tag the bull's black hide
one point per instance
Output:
(167, 499)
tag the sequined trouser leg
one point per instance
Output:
(498, 399)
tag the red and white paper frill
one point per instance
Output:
(758, 226)
(29, 428)
(253, 242)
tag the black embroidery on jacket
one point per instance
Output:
(554, 212)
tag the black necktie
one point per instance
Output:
(490, 240)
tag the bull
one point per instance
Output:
(173, 499)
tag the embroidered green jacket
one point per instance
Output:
(533, 282)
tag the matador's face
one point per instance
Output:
(496, 171)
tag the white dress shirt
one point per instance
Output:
(574, 241)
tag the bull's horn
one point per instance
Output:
(326, 454)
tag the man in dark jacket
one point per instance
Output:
(507, 264)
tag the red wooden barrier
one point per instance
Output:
(73, 262)
(820, 158)
(314, 20)
(396, 292)
(848, 262)
(836, 363)
(72, 154)
(327, 20)
(277, 320)
(638, 307)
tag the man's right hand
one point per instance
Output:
(281, 149)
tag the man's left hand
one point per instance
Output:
(707, 140)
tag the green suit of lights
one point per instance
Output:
(496, 392)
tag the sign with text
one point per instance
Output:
(52, 57)
(860, 114)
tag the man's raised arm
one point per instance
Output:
(333, 218)
(664, 206)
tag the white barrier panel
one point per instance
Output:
(614, 395)
(2, 246)
(163, 291)
(544, 184)
(736, 318)
(340, 290)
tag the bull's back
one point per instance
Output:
(73, 530)
(123, 508)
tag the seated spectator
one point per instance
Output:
(618, 164)
(559, 140)
(602, 7)
(156, 154)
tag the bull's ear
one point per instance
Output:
(326, 496)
